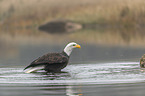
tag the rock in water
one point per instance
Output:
(142, 61)
(60, 26)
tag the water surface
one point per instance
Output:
(99, 69)
(75, 80)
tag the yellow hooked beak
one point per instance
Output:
(77, 46)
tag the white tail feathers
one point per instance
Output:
(34, 69)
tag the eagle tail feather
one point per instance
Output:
(34, 69)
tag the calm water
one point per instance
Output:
(94, 70)
(111, 79)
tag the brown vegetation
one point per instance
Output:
(31, 13)
(120, 22)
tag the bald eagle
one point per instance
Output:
(52, 62)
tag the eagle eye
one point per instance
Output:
(74, 44)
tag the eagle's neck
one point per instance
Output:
(65, 54)
(68, 50)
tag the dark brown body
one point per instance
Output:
(52, 62)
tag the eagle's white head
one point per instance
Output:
(69, 47)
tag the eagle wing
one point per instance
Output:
(50, 58)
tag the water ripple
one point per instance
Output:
(99, 73)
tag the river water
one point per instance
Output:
(111, 79)
(93, 70)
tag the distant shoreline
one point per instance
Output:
(28, 14)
